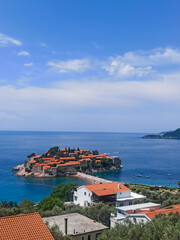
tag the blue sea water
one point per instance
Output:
(155, 158)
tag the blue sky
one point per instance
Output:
(94, 65)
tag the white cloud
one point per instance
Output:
(23, 53)
(141, 63)
(75, 65)
(28, 64)
(6, 41)
(76, 95)
(125, 70)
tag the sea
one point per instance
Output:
(157, 161)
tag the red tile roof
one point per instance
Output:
(32, 161)
(24, 227)
(71, 163)
(174, 209)
(37, 156)
(107, 188)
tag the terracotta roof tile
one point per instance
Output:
(174, 209)
(107, 188)
(24, 227)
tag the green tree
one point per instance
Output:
(162, 227)
(26, 206)
(53, 151)
(56, 233)
(49, 203)
(95, 152)
(31, 155)
(63, 192)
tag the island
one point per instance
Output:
(165, 135)
(58, 162)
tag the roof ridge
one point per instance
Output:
(20, 215)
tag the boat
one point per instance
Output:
(158, 173)
(169, 174)
(147, 176)
(139, 175)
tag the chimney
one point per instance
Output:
(65, 225)
(119, 186)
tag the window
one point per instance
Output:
(121, 204)
(84, 193)
(97, 235)
(130, 203)
(89, 237)
(82, 238)
(75, 198)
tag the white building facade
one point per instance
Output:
(111, 193)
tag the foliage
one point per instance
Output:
(25, 162)
(5, 204)
(56, 233)
(31, 155)
(95, 152)
(52, 151)
(49, 202)
(26, 206)
(161, 227)
(84, 166)
(163, 195)
(99, 212)
(12, 208)
(64, 192)
(105, 162)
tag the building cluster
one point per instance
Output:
(115, 193)
(64, 161)
(78, 227)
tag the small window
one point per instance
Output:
(82, 238)
(130, 203)
(121, 204)
(89, 237)
(75, 198)
(97, 235)
(84, 193)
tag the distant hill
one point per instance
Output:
(165, 135)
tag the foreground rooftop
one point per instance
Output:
(76, 223)
(24, 227)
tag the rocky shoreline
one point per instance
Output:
(21, 172)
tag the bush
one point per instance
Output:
(49, 203)
(64, 192)
(162, 227)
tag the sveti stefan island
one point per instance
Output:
(65, 162)
(89, 120)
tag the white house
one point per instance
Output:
(135, 213)
(111, 193)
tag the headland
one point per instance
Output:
(165, 135)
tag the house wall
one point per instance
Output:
(82, 196)
(123, 194)
(133, 218)
(85, 235)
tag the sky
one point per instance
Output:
(94, 65)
